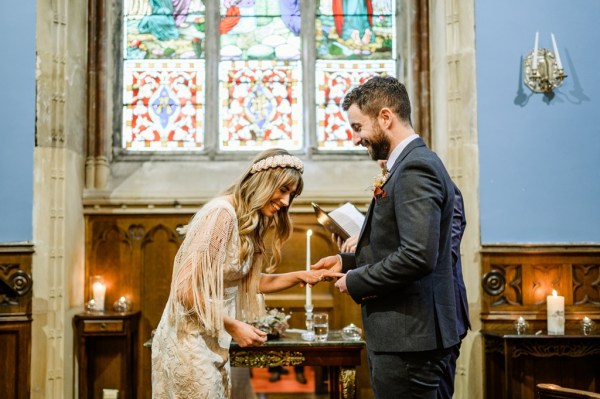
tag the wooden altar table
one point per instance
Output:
(340, 356)
(514, 364)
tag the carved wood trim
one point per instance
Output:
(14, 281)
(493, 345)
(268, 359)
(586, 284)
(552, 349)
(517, 279)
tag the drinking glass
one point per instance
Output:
(321, 326)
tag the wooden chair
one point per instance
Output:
(552, 391)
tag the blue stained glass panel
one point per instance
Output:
(260, 30)
(355, 29)
(163, 29)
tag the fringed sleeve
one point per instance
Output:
(248, 306)
(197, 286)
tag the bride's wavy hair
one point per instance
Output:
(251, 192)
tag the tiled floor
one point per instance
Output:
(291, 396)
(287, 387)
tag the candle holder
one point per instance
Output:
(521, 325)
(309, 335)
(587, 326)
(90, 305)
(543, 70)
(122, 305)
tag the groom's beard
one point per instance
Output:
(380, 144)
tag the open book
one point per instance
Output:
(344, 221)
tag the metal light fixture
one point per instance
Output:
(543, 70)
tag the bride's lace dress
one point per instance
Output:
(190, 349)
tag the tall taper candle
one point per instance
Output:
(558, 63)
(534, 62)
(555, 313)
(308, 289)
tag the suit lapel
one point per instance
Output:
(418, 142)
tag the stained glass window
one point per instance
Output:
(334, 79)
(260, 105)
(163, 105)
(163, 79)
(163, 29)
(256, 83)
(355, 41)
(260, 75)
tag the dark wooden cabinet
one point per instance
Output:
(15, 320)
(107, 353)
(515, 364)
(15, 347)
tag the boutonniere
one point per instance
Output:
(378, 191)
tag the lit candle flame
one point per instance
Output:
(554, 293)
(309, 232)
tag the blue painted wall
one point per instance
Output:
(539, 156)
(17, 116)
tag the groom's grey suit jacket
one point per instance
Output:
(401, 272)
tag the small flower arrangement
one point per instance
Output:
(378, 183)
(381, 179)
(274, 323)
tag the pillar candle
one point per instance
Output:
(98, 291)
(556, 314)
(308, 289)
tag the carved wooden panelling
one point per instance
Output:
(15, 280)
(516, 281)
(135, 253)
(586, 284)
(541, 279)
(556, 349)
(14, 283)
(15, 321)
(158, 249)
(15, 347)
(504, 284)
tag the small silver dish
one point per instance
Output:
(351, 332)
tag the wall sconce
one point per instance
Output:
(543, 70)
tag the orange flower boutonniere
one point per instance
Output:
(378, 191)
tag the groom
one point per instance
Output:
(401, 271)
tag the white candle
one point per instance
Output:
(556, 314)
(99, 291)
(534, 62)
(558, 63)
(308, 289)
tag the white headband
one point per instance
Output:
(278, 161)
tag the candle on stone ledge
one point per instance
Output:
(308, 289)
(556, 314)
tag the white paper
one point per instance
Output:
(349, 218)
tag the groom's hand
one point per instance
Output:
(333, 263)
(341, 285)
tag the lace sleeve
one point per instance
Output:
(199, 270)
